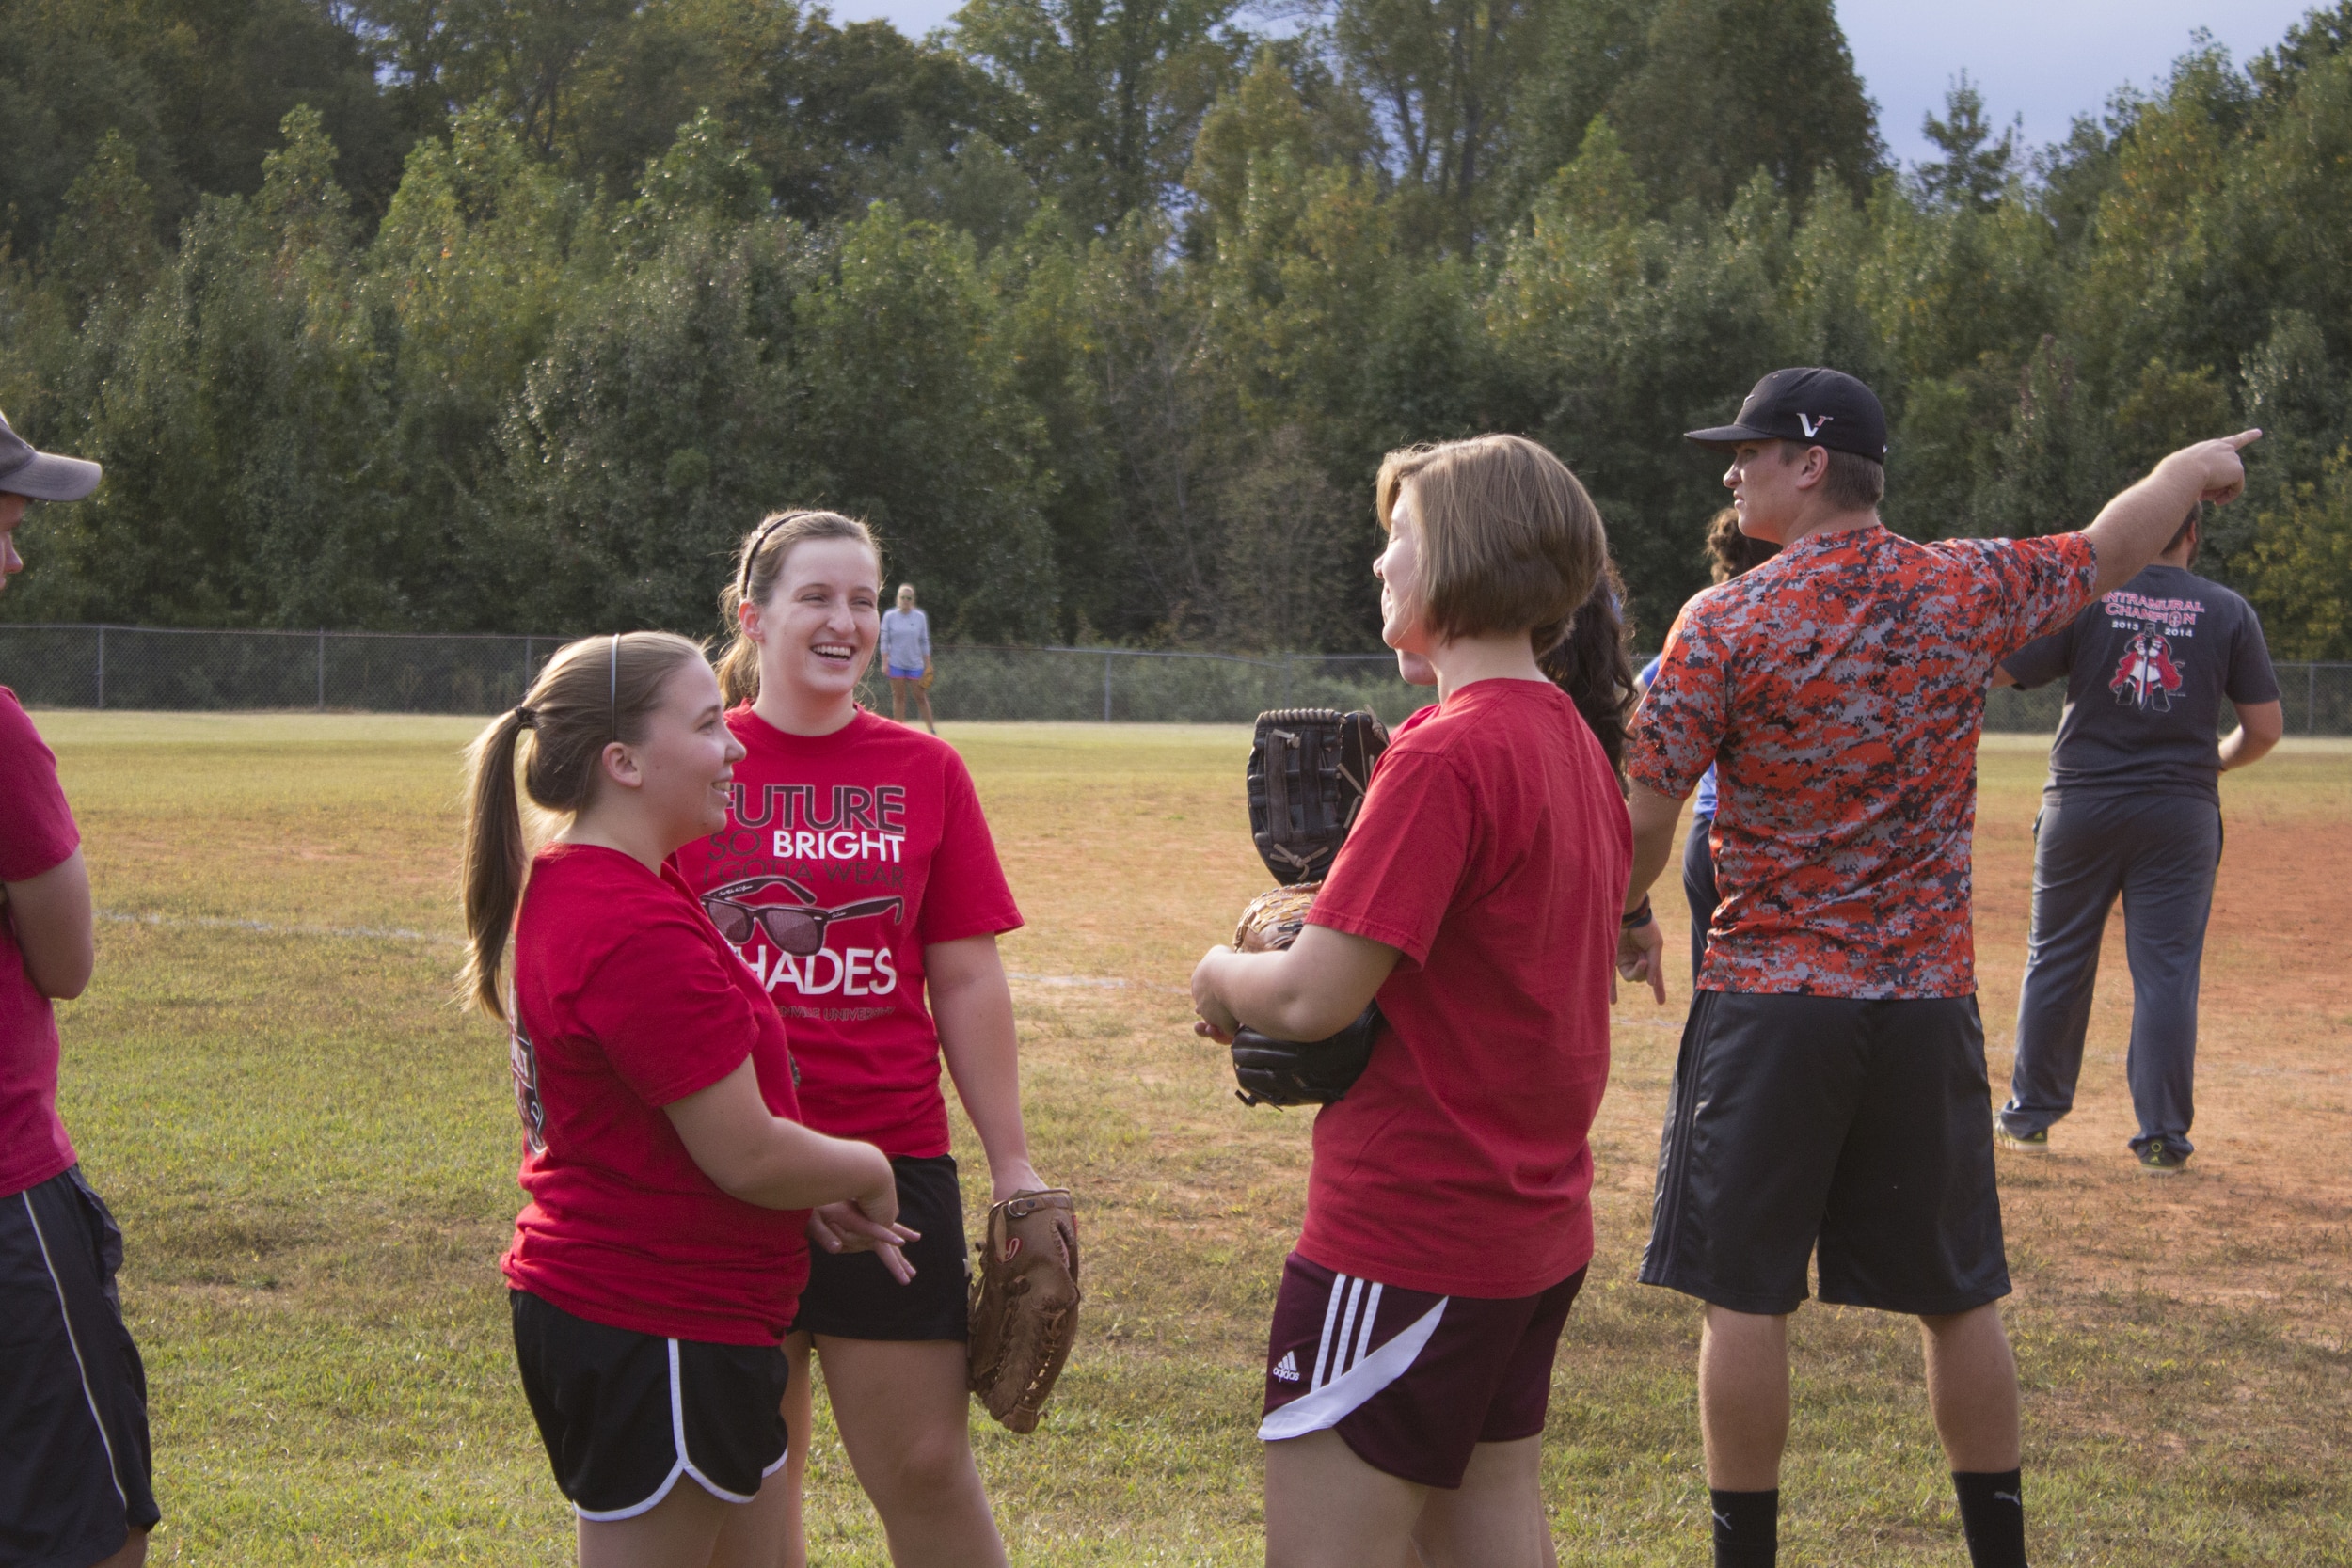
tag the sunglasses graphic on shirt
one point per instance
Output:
(795, 929)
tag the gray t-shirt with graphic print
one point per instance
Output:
(2146, 668)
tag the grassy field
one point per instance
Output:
(312, 1154)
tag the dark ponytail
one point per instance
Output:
(593, 692)
(1594, 666)
(1731, 552)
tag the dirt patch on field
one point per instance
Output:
(2262, 1217)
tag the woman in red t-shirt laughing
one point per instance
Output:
(1448, 1216)
(662, 1250)
(856, 877)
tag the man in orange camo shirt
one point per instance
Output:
(1830, 1090)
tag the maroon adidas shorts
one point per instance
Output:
(1411, 1381)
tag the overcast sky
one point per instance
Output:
(2046, 59)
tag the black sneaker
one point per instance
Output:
(2035, 1142)
(2163, 1158)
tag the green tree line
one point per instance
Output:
(514, 314)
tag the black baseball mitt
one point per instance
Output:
(1294, 1073)
(1303, 1073)
(1309, 768)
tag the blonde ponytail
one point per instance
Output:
(593, 692)
(494, 862)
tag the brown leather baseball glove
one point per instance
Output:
(1024, 1304)
(1273, 918)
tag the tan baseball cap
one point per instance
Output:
(43, 476)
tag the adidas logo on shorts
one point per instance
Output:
(1286, 1369)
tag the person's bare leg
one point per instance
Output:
(752, 1534)
(1743, 1399)
(1972, 1389)
(904, 1414)
(679, 1531)
(133, 1552)
(1325, 1508)
(799, 1425)
(899, 698)
(923, 696)
(1496, 1518)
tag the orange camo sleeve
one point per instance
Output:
(1682, 717)
(2037, 586)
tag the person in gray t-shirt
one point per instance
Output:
(906, 650)
(2133, 808)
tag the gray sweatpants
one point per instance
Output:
(2158, 853)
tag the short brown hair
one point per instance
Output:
(2180, 535)
(1510, 541)
(1852, 483)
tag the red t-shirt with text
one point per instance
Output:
(627, 1001)
(844, 856)
(1492, 852)
(37, 834)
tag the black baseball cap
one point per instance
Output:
(1819, 407)
(44, 476)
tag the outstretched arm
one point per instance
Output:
(1309, 991)
(2132, 530)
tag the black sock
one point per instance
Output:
(1993, 1512)
(1747, 1528)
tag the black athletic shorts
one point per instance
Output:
(624, 1415)
(74, 1472)
(1862, 1128)
(849, 1296)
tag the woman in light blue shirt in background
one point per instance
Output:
(906, 650)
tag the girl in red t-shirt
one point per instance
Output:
(1476, 898)
(856, 878)
(662, 1252)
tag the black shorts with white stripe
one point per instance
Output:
(73, 1391)
(1411, 1381)
(626, 1415)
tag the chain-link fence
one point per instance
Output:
(2314, 699)
(149, 668)
(167, 669)
(1155, 686)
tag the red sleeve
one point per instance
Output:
(1686, 710)
(965, 894)
(1397, 875)
(669, 1018)
(36, 830)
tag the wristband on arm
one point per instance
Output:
(1638, 918)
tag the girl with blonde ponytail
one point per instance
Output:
(661, 1254)
(855, 876)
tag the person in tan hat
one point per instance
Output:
(78, 1478)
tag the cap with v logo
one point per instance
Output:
(1819, 407)
(43, 476)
